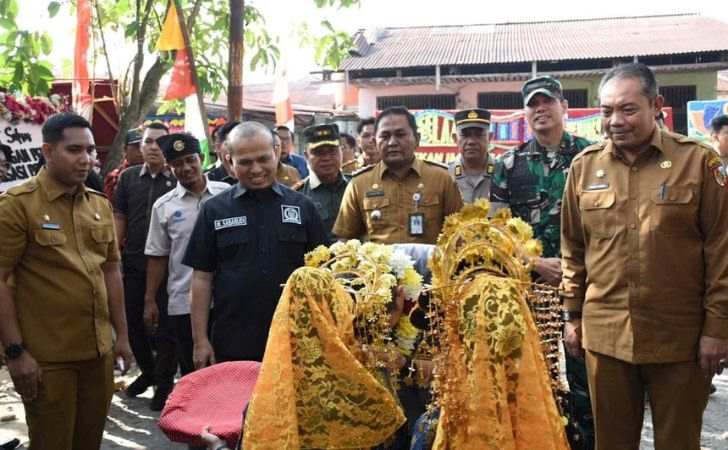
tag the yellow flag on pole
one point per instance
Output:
(171, 36)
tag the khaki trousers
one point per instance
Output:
(73, 401)
(678, 394)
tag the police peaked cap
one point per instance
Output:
(319, 135)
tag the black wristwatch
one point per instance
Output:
(13, 351)
(568, 316)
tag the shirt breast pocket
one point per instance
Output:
(598, 213)
(101, 237)
(430, 207)
(49, 238)
(673, 210)
(378, 212)
(232, 247)
(293, 240)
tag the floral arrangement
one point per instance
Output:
(370, 272)
(30, 109)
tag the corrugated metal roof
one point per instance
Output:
(537, 41)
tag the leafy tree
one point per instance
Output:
(24, 65)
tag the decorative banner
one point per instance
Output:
(180, 83)
(701, 113)
(171, 37)
(508, 128)
(82, 102)
(25, 139)
(281, 97)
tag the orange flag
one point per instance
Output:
(171, 36)
(81, 98)
(281, 98)
(180, 84)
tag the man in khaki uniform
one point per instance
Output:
(401, 199)
(473, 168)
(285, 174)
(61, 293)
(645, 277)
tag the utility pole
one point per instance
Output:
(235, 61)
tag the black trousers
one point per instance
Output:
(162, 368)
(182, 329)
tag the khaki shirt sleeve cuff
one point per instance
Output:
(715, 328)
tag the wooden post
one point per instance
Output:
(235, 61)
(193, 69)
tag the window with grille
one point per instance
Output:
(500, 100)
(678, 97)
(577, 98)
(440, 101)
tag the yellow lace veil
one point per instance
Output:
(492, 383)
(313, 392)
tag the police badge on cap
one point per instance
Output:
(472, 118)
(176, 145)
(319, 135)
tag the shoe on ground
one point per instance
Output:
(160, 398)
(138, 386)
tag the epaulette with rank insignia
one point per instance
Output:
(25, 188)
(363, 170)
(435, 163)
(94, 191)
(681, 138)
(599, 146)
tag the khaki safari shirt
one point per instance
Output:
(56, 243)
(644, 249)
(377, 205)
(472, 187)
(287, 175)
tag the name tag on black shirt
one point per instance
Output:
(231, 222)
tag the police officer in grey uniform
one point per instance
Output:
(473, 168)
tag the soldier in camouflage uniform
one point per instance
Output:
(530, 180)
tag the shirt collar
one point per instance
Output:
(655, 143)
(240, 190)
(180, 191)
(145, 169)
(52, 188)
(314, 181)
(416, 167)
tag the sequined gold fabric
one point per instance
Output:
(492, 383)
(313, 392)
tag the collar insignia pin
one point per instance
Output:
(46, 218)
(666, 164)
(600, 173)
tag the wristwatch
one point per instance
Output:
(13, 351)
(568, 316)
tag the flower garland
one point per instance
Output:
(30, 109)
(370, 272)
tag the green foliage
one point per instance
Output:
(24, 65)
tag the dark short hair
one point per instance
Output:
(54, 126)
(638, 71)
(397, 111)
(718, 123)
(283, 127)
(348, 138)
(224, 130)
(364, 122)
(156, 125)
(7, 151)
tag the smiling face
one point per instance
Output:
(187, 169)
(70, 159)
(628, 115)
(396, 141)
(254, 161)
(545, 114)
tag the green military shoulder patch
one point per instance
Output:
(435, 163)
(25, 188)
(363, 170)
